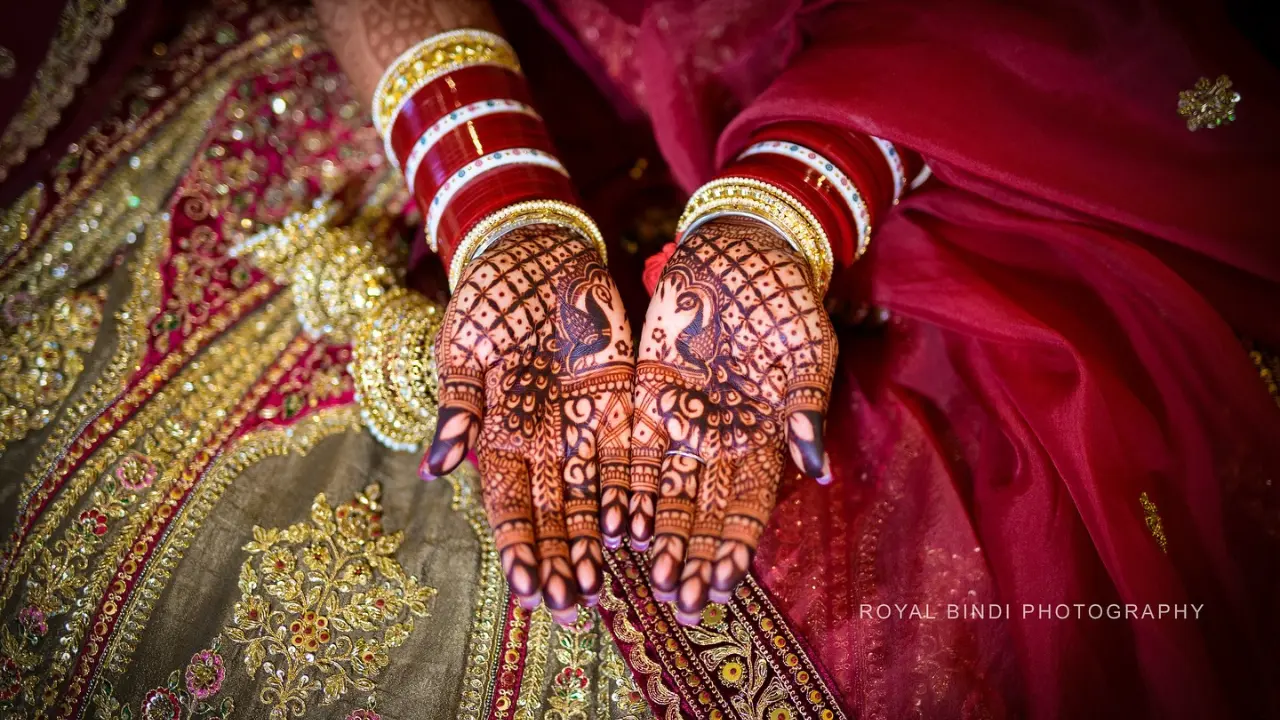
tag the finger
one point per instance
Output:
(555, 572)
(459, 419)
(804, 407)
(648, 443)
(754, 495)
(509, 506)
(673, 523)
(581, 475)
(614, 452)
(695, 580)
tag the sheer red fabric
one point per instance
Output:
(1060, 412)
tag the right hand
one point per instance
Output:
(536, 366)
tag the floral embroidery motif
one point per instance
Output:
(42, 357)
(727, 647)
(322, 603)
(570, 688)
(626, 696)
(1154, 524)
(1208, 104)
(135, 471)
(188, 695)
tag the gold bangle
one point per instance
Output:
(773, 205)
(431, 58)
(393, 367)
(531, 212)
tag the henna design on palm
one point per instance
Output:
(736, 358)
(536, 366)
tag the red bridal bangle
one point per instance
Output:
(449, 94)
(464, 143)
(470, 145)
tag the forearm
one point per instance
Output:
(367, 35)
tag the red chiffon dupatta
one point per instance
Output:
(1060, 413)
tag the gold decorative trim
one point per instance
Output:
(82, 28)
(490, 607)
(647, 670)
(537, 647)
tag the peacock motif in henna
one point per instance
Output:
(736, 359)
(536, 365)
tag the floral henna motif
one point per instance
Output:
(736, 359)
(536, 364)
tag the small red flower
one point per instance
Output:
(10, 679)
(161, 704)
(93, 521)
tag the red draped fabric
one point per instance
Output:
(1060, 411)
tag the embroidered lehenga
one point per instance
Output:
(197, 524)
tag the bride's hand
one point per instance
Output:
(736, 359)
(536, 366)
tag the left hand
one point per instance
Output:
(737, 353)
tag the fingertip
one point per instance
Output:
(424, 470)
(688, 619)
(732, 562)
(612, 543)
(565, 616)
(719, 597)
(455, 431)
(591, 600)
(529, 602)
(825, 478)
(804, 429)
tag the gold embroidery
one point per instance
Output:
(93, 217)
(1154, 524)
(16, 222)
(271, 441)
(1268, 365)
(83, 26)
(196, 411)
(628, 702)
(535, 664)
(132, 334)
(491, 600)
(627, 633)
(571, 686)
(322, 602)
(41, 359)
(727, 650)
(129, 199)
(189, 694)
(1208, 104)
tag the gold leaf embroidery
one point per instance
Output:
(1154, 524)
(42, 358)
(1208, 104)
(322, 603)
(82, 27)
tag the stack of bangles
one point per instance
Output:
(820, 187)
(454, 112)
